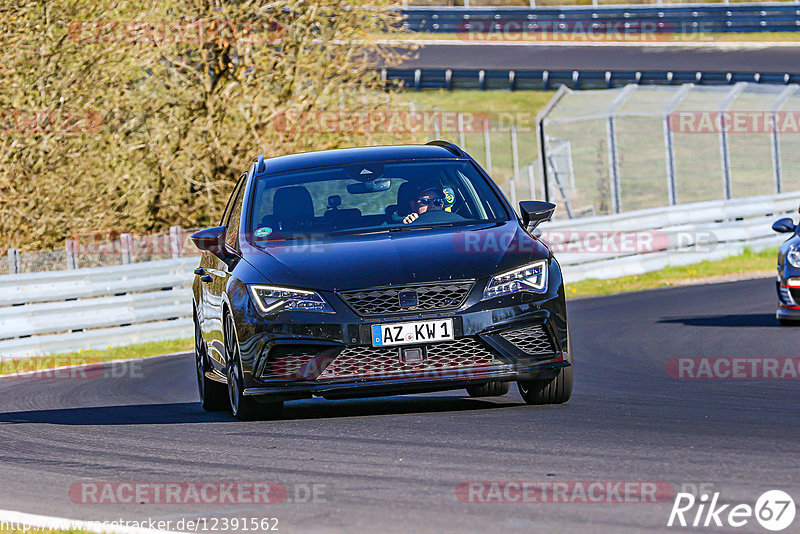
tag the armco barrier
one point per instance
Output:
(689, 18)
(700, 231)
(487, 79)
(62, 311)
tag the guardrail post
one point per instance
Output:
(515, 161)
(175, 241)
(13, 261)
(126, 247)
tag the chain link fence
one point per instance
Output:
(92, 250)
(640, 146)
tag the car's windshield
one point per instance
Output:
(371, 197)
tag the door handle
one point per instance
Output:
(207, 278)
(199, 271)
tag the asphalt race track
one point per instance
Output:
(727, 57)
(393, 464)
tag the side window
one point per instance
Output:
(234, 214)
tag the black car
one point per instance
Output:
(788, 273)
(375, 271)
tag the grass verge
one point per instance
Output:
(748, 262)
(10, 366)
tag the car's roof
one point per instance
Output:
(344, 156)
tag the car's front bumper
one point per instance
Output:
(482, 332)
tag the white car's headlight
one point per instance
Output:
(531, 277)
(793, 256)
(274, 298)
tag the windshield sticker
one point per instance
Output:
(263, 232)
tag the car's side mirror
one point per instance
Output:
(784, 225)
(535, 212)
(211, 240)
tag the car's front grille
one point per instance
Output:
(531, 340)
(428, 297)
(372, 362)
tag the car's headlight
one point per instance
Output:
(273, 298)
(793, 256)
(531, 277)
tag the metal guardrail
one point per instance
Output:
(683, 234)
(63, 311)
(51, 312)
(487, 79)
(686, 18)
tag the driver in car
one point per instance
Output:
(430, 199)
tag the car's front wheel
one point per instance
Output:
(213, 394)
(556, 390)
(243, 407)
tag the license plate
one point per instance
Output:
(384, 335)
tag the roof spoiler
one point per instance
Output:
(452, 147)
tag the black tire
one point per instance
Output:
(489, 389)
(788, 322)
(213, 394)
(243, 408)
(556, 390)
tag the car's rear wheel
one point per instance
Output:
(489, 389)
(213, 394)
(788, 322)
(556, 390)
(244, 408)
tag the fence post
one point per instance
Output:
(72, 258)
(669, 140)
(515, 160)
(462, 138)
(724, 146)
(126, 247)
(13, 261)
(775, 137)
(175, 241)
(487, 146)
(613, 153)
(532, 181)
(541, 137)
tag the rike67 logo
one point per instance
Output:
(774, 510)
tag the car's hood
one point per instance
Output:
(424, 255)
